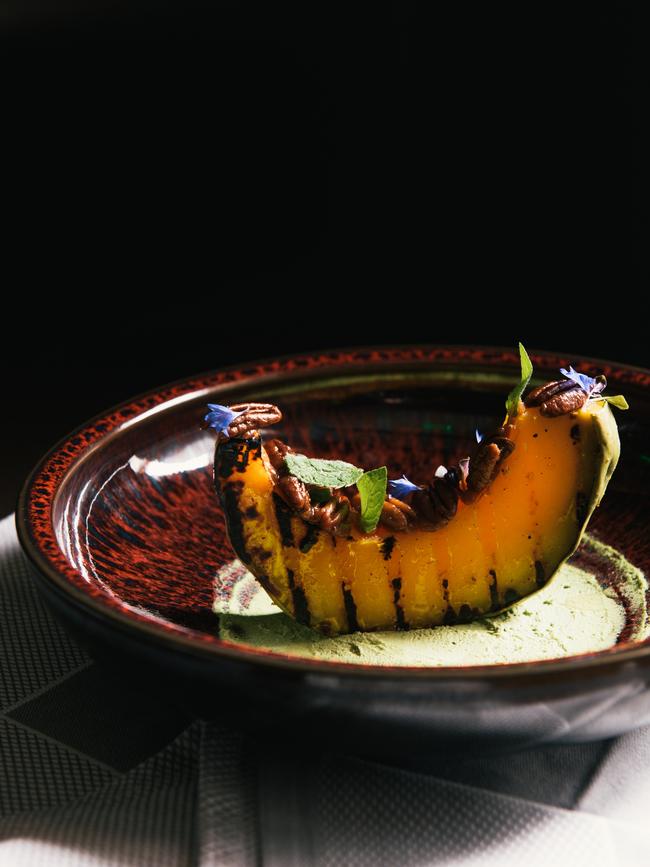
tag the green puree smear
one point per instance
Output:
(572, 614)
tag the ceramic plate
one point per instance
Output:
(123, 526)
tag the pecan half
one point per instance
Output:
(485, 464)
(402, 506)
(482, 466)
(255, 416)
(396, 515)
(294, 492)
(331, 515)
(550, 389)
(276, 451)
(557, 398)
(436, 504)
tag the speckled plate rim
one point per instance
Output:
(37, 537)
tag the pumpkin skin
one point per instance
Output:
(504, 546)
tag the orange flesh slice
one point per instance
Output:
(504, 546)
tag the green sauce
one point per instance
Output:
(572, 614)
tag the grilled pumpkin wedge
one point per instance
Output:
(504, 545)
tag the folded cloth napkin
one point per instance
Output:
(93, 772)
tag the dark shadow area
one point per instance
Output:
(197, 185)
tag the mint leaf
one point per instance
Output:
(512, 402)
(616, 400)
(372, 490)
(325, 474)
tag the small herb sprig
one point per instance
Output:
(372, 490)
(512, 401)
(321, 472)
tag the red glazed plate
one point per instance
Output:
(123, 526)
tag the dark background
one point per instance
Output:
(190, 186)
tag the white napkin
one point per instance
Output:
(93, 774)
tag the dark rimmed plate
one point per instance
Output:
(123, 526)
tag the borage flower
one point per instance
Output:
(400, 488)
(588, 384)
(220, 417)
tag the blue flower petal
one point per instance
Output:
(479, 435)
(401, 488)
(221, 417)
(586, 383)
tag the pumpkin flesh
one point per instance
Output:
(496, 550)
